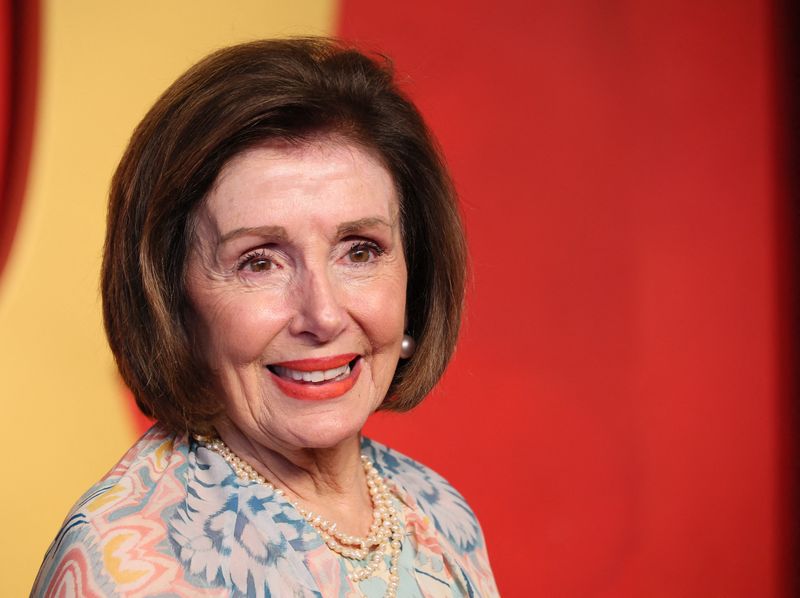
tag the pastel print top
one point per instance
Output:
(173, 519)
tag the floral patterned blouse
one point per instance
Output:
(173, 519)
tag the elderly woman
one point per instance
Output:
(284, 257)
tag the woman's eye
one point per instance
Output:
(361, 253)
(256, 263)
(260, 265)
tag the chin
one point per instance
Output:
(327, 434)
(320, 424)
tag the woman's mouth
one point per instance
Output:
(313, 375)
(318, 378)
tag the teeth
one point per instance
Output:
(315, 376)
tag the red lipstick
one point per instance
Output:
(317, 391)
(318, 363)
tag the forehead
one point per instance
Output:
(328, 177)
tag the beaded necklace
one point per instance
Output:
(385, 532)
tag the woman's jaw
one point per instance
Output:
(314, 426)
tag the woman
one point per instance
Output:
(283, 257)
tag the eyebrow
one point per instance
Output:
(278, 233)
(273, 232)
(348, 228)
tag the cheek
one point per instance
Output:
(381, 312)
(235, 330)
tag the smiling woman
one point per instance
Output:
(297, 283)
(283, 257)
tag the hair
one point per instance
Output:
(234, 99)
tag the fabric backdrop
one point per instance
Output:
(614, 410)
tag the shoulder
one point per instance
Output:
(435, 496)
(148, 477)
(121, 519)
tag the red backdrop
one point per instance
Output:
(19, 56)
(613, 410)
(5, 101)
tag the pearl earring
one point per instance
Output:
(407, 346)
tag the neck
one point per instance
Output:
(329, 481)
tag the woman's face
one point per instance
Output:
(297, 282)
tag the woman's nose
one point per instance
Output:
(320, 312)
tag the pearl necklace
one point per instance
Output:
(385, 532)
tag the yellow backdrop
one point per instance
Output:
(103, 64)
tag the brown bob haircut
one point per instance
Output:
(292, 90)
